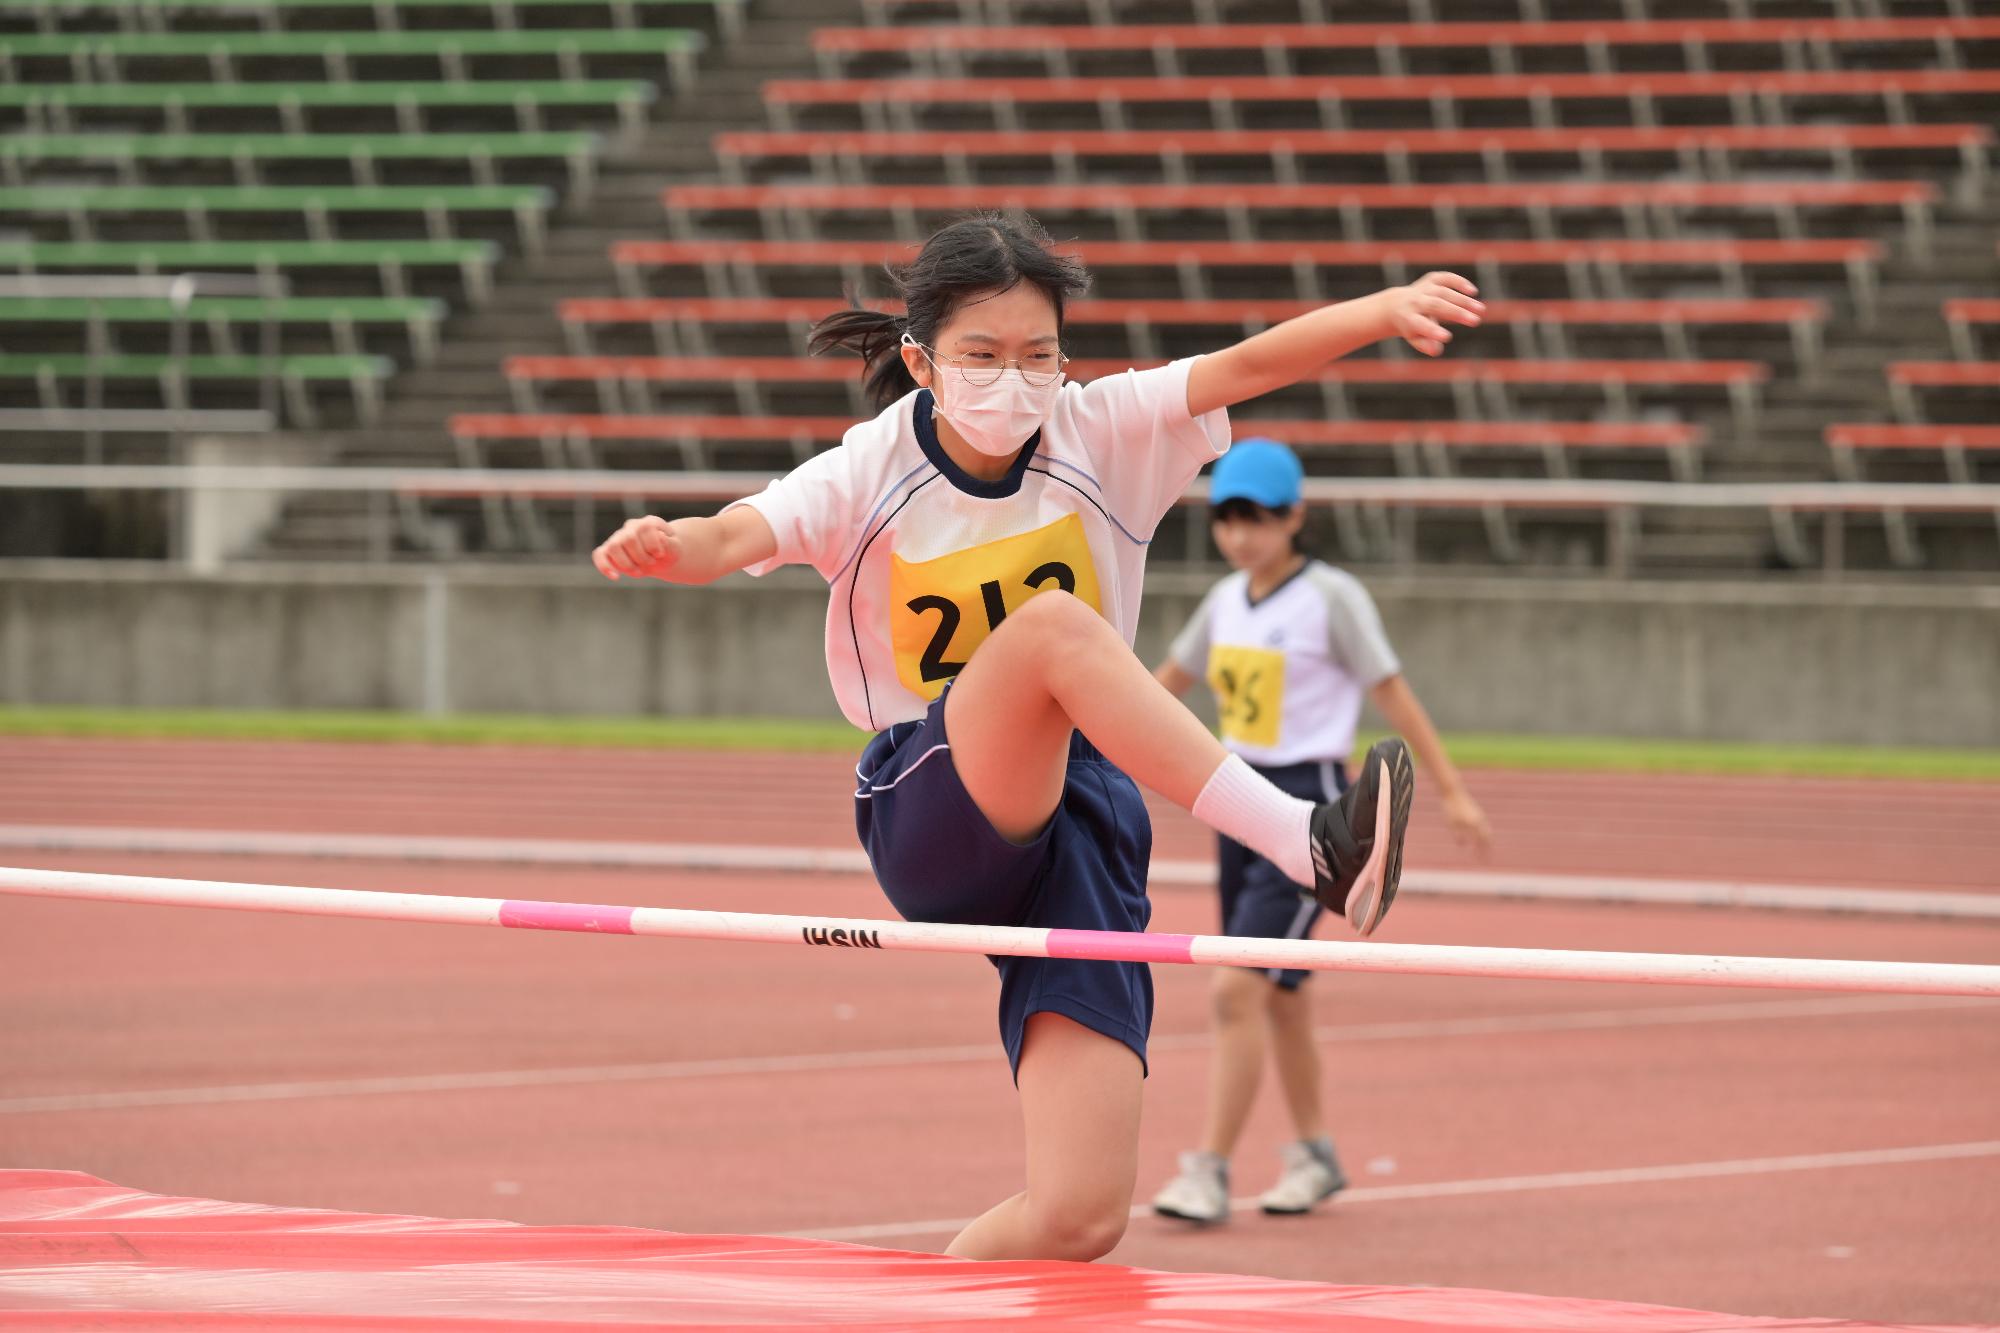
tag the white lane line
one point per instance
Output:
(689, 856)
(561, 1076)
(572, 1075)
(1983, 905)
(423, 847)
(1442, 1189)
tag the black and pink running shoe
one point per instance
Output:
(1357, 841)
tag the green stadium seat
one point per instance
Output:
(233, 324)
(527, 205)
(472, 261)
(51, 106)
(726, 16)
(109, 56)
(253, 155)
(362, 376)
(369, 159)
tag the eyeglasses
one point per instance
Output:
(1040, 370)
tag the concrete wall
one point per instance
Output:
(1777, 661)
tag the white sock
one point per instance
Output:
(1241, 803)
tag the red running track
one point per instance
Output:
(1798, 1156)
(1868, 833)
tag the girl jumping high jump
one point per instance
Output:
(984, 538)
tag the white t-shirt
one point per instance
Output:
(924, 560)
(1290, 669)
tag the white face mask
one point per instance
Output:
(997, 418)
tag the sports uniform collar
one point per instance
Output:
(999, 488)
(1281, 585)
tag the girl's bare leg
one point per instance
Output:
(1297, 1058)
(1239, 999)
(1052, 667)
(1080, 1096)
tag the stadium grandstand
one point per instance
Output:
(1742, 259)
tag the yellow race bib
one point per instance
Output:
(1249, 685)
(941, 610)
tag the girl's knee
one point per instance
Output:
(1052, 619)
(1291, 1007)
(1239, 995)
(1081, 1229)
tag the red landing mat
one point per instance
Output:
(78, 1252)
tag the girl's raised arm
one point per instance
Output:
(1297, 348)
(687, 550)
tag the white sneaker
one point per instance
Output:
(1312, 1175)
(1200, 1193)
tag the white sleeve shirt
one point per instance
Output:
(923, 561)
(1291, 669)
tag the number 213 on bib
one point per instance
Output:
(941, 610)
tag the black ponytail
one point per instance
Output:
(974, 256)
(874, 336)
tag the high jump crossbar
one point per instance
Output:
(1023, 941)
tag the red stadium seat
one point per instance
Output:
(1552, 439)
(736, 267)
(1962, 316)
(1679, 441)
(1907, 377)
(1952, 443)
(1278, 43)
(746, 375)
(893, 19)
(842, 155)
(579, 432)
(1643, 277)
(1167, 45)
(679, 324)
(1479, 387)
(1752, 95)
(1539, 329)
(1644, 207)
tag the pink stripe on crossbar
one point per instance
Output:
(596, 919)
(1124, 945)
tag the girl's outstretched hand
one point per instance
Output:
(1419, 312)
(641, 548)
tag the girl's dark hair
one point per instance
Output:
(973, 256)
(1236, 507)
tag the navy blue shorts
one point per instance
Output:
(940, 859)
(1258, 900)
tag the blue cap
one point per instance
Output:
(1261, 471)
